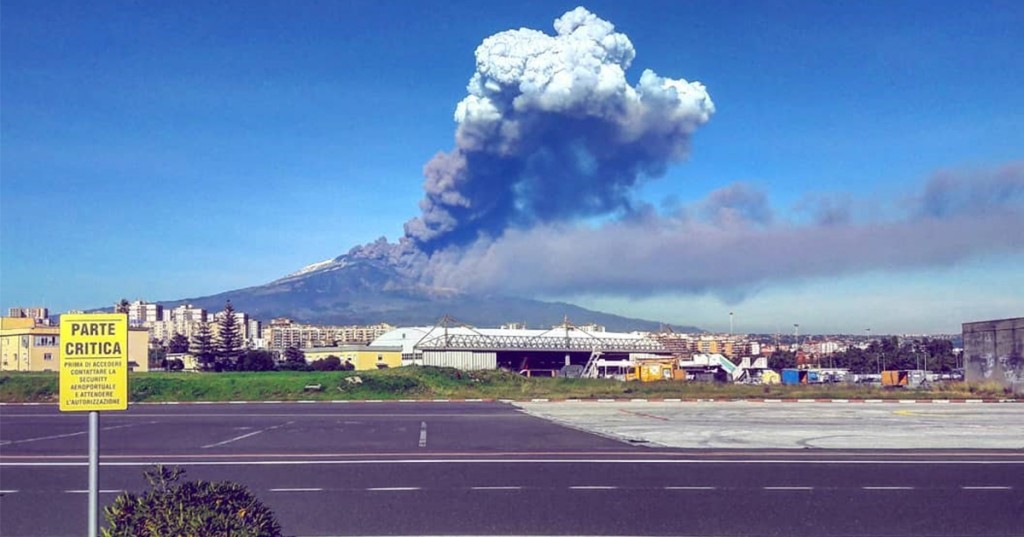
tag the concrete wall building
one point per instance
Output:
(994, 351)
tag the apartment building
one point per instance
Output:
(283, 333)
(38, 313)
(141, 312)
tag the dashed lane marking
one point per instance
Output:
(496, 488)
(788, 488)
(592, 487)
(986, 487)
(247, 435)
(888, 488)
(691, 488)
(392, 489)
(299, 489)
(68, 435)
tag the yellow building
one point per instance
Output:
(361, 356)
(28, 346)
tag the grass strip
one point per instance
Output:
(446, 383)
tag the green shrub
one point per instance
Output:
(210, 509)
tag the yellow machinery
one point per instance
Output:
(655, 370)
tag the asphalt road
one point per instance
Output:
(489, 469)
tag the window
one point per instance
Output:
(45, 341)
(48, 356)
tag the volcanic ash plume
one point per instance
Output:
(551, 131)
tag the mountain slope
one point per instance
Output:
(364, 289)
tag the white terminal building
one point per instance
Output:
(516, 349)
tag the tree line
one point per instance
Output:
(883, 354)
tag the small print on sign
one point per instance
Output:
(93, 362)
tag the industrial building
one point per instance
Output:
(994, 351)
(361, 357)
(517, 349)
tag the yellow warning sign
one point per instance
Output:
(93, 362)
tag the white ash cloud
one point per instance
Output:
(552, 131)
(551, 138)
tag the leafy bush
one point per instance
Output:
(256, 360)
(331, 363)
(212, 509)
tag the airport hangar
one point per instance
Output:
(517, 349)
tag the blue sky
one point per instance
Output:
(166, 150)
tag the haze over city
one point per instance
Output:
(843, 167)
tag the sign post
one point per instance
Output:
(93, 377)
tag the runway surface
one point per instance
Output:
(490, 469)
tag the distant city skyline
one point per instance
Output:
(862, 165)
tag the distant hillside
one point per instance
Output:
(354, 289)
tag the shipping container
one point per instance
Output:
(794, 376)
(895, 378)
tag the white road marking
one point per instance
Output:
(592, 487)
(691, 488)
(7, 491)
(987, 488)
(68, 435)
(101, 491)
(423, 434)
(500, 461)
(392, 489)
(297, 490)
(247, 435)
(788, 488)
(888, 488)
(495, 488)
